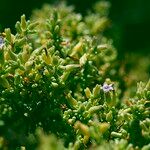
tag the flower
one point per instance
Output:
(1, 42)
(107, 87)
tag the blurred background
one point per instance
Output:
(130, 28)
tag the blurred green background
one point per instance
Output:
(130, 27)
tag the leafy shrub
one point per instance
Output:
(60, 78)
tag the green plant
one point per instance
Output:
(60, 74)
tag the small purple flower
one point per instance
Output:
(1, 42)
(107, 87)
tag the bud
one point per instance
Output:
(12, 55)
(18, 27)
(23, 22)
(109, 116)
(70, 67)
(8, 35)
(147, 87)
(49, 24)
(33, 25)
(71, 100)
(46, 72)
(77, 48)
(64, 77)
(96, 90)
(56, 29)
(77, 145)
(23, 148)
(54, 84)
(84, 129)
(116, 134)
(47, 59)
(28, 65)
(87, 92)
(26, 53)
(70, 121)
(103, 127)
(102, 47)
(37, 77)
(55, 60)
(94, 109)
(143, 126)
(83, 60)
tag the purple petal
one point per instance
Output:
(107, 87)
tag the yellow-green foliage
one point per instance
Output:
(60, 86)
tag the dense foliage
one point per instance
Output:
(61, 86)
